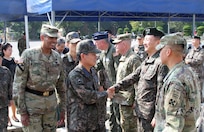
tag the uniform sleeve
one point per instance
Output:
(128, 80)
(86, 94)
(162, 72)
(197, 60)
(20, 81)
(61, 89)
(174, 104)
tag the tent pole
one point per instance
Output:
(99, 25)
(194, 27)
(53, 18)
(26, 31)
(62, 19)
(168, 23)
(5, 31)
(48, 16)
(99, 22)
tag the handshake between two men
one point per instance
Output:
(111, 92)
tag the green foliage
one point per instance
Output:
(187, 30)
(200, 30)
(134, 31)
(126, 30)
(160, 28)
(15, 29)
(140, 30)
(120, 31)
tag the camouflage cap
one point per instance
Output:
(122, 37)
(73, 37)
(140, 36)
(49, 30)
(61, 40)
(86, 46)
(171, 39)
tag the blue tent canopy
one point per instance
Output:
(114, 10)
(12, 9)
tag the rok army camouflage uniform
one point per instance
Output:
(83, 95)
(5, 95)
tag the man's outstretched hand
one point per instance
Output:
(111, 92)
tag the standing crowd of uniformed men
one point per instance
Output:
(156, 86)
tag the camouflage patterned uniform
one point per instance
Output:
(149, 77)
(40, 73)
(109, 62)
(83, 99)
(195, 59)
(5, 96)
(128, 64)
(178, 106)
(21, 45)
(141, 52)
(68, 64)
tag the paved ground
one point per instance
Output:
(17, 126)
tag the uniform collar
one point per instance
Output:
(151, 59)
(69, 57)
(123, 57)
(171, 70)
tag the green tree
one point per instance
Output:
(140, 30)
(200, 30)
(120, 31)
(187, 30)
(160, 28)
(126, 30)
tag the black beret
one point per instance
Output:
(153, 31)
(100, 35)
(196, 37)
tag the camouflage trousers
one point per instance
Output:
(144, 125)
(42, 113)
(114, 119)
(200, 121)
(128, 119)
(3, 119)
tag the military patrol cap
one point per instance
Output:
(49, 30)
(122, 37)
(100, 35)
(171, 39)
(139, 36)
(196, 37)
(61, 40)
(153, 31)
(73, 37)
(86, 46)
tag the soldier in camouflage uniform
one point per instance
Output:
(5, 95)
(140, 50)
(149, 77)
(38, 82)
(70, 62)
(22, 44)
(195, 59)
(178, 104)
(83, 94)
(108, 61)
(129, 62)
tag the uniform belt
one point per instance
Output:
(46, 93)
